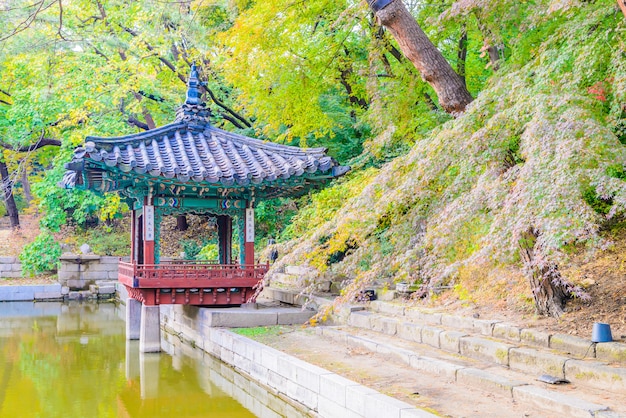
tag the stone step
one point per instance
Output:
(532, 361)
(614, 352)
(498, 382)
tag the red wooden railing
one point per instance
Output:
(185, 273)
(191, 282)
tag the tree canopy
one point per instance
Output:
(532, 170)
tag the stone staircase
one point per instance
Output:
(500, 358)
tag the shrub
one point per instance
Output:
(41, 255)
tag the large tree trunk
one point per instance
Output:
(544, 278)
(28, 196)
(9, 201)
(415, 45)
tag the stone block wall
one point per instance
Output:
(10, 267)
(316, 390)
(79, 271)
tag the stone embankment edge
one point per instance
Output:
(316, 389)
(55, 292)
(31, 292)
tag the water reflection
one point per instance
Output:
(61, 360)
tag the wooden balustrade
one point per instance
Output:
(190, 274)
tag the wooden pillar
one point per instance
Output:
(148, 232)
(249, 239)
(133, 236)
(224, 238)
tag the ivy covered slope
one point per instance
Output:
(530, 175)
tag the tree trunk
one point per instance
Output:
(544, 278)
(28, 196)
(462, 55)
(415, 45)
(181, 223)
(9, 201)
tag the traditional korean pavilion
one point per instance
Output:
(190, 166)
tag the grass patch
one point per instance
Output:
(256, 332)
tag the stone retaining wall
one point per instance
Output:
(10, 267)
(316, 389)
(30, 292)
(78, 271)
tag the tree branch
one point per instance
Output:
(226, 108)
(42, 142)
(182, 78)
(151, 96)
(136, 122)
(29, 20)
(231, 120)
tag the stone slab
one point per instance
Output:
(451, 341)
(328, 409)
(459, 322)
(597, 375)
(536, 362)
(48, 295)
(236, 318)
(387, 308)
(430, 336)
(426, 318)
(570, 344)
(436, 366)
(611, 352)
(379, 405)
(361, 319)
(410, 331)
(106, 290)
(486, 380)
(567, 406)
(355, 341)
(484, 349)
(535, 337)
(485, 326)
(506, 331)
(355, 398)
(384, 325)
(290, 317)
(333, 387)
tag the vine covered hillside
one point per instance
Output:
(535, 165)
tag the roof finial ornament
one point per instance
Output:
(193, 93)
(194, 111)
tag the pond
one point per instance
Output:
(60, 360)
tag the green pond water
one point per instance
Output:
(74, 361)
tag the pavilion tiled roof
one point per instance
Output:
(191, 149)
